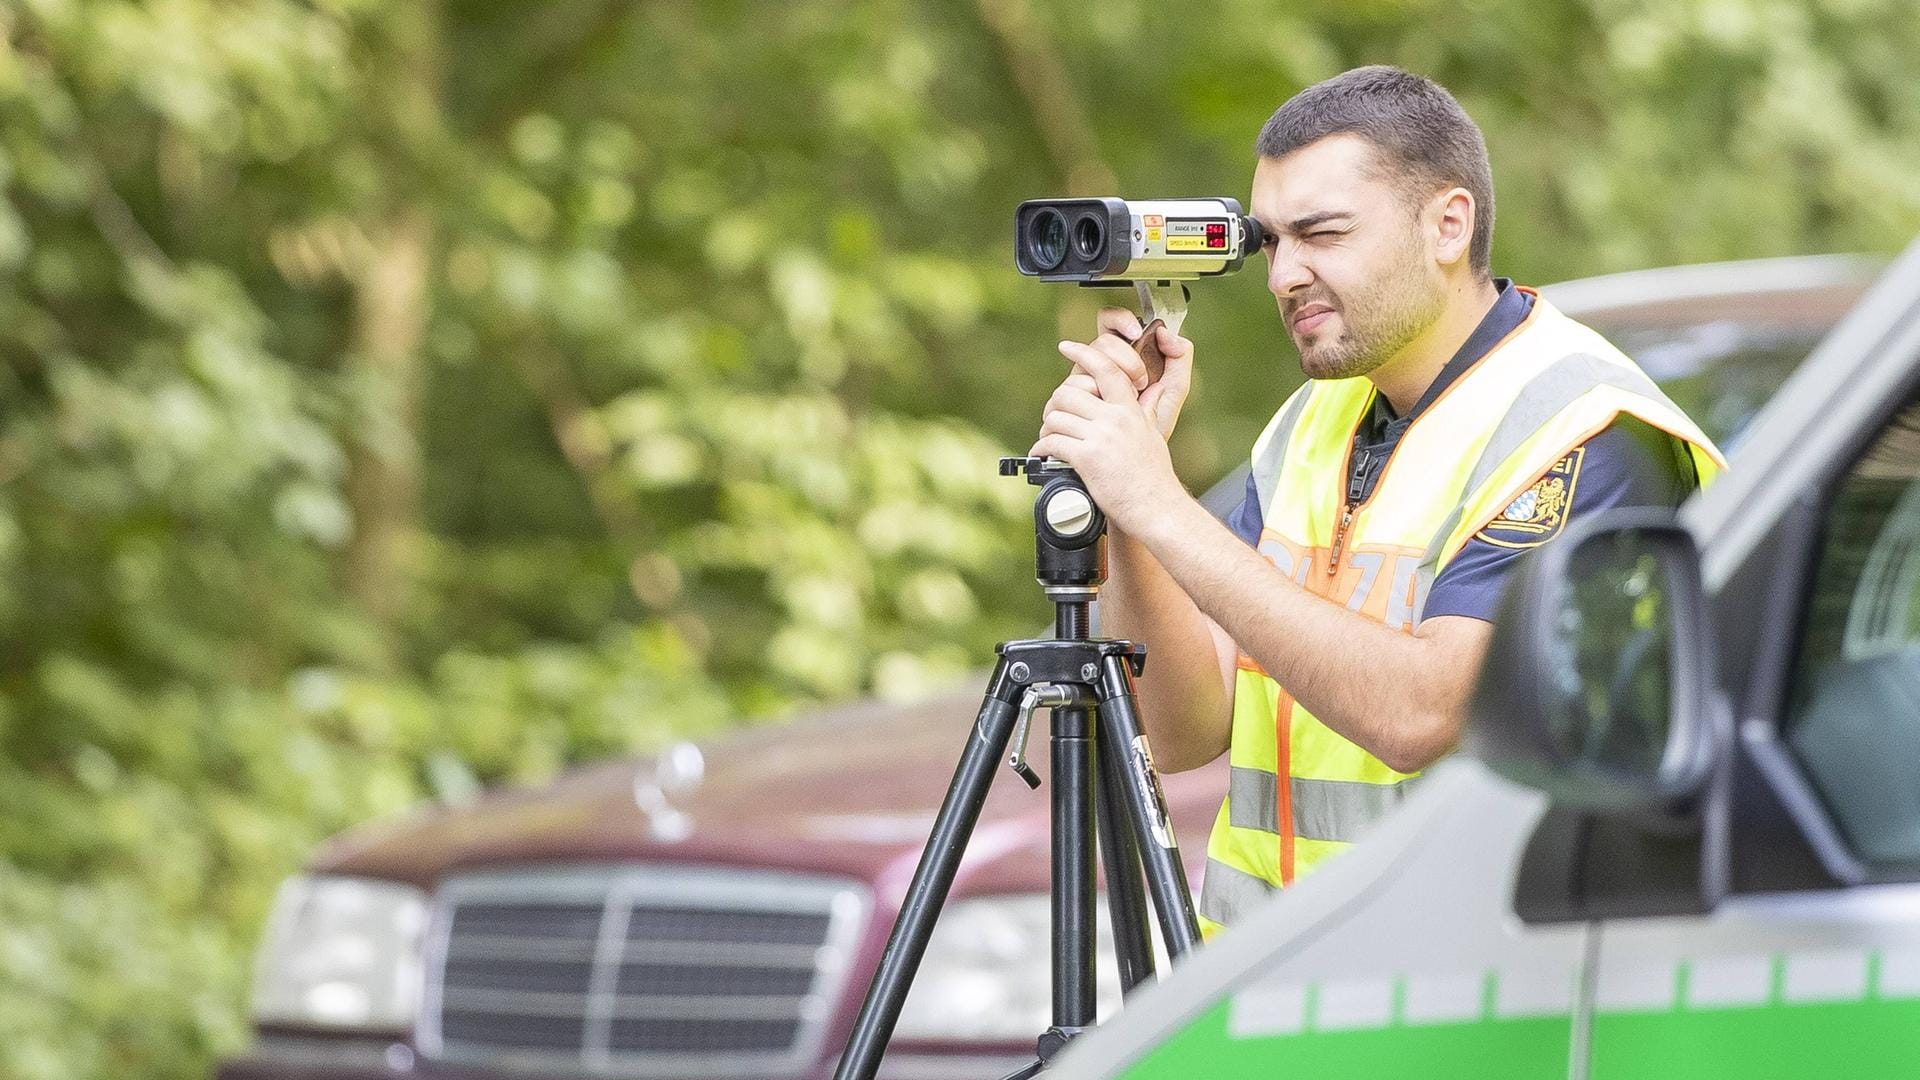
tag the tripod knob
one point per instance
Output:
(1069, 512)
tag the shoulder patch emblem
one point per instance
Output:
(1540, 512)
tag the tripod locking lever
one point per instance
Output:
(1039, 695)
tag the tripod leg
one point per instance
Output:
(1074, 1001)
(1147, 808)
(932, 879)
(1120, 856)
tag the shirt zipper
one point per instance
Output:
(1356, 487)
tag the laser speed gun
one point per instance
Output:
(1114, 241)
(1151, 244)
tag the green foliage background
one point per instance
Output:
(400, 396)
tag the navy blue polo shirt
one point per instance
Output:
(1631, 463)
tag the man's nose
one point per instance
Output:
(1286, 273)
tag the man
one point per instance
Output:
(1329, 636)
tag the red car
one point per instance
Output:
(717, 912)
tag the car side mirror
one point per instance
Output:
(1595, 688)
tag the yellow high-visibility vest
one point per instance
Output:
(1300, 792)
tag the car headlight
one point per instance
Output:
(988, 972)
(341, 952)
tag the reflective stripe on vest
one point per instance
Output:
(1502, 425)
(1322, 809)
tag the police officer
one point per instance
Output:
(1328, 636)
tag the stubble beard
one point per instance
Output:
(1376, 324)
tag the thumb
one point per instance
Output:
(1177, 352)
(1164, 399)
(1172, 345)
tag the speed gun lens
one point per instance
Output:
(1046, 239)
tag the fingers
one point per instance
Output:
(1077, 398)
(1119, 329)
(1126, 357)
(1119, 321)
(1076, 401)
(1113, 381)
(1055, 445)
(1162, 403)
(1172, 345)
(1061, 422)
(1071, 413)
(1176, 353)
(1163, 400)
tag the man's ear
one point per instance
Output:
(1453, 212)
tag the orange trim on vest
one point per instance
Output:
(1283, 791)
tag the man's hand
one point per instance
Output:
(1119, 329)
(1165, 397)
(1109, 434)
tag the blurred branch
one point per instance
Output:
(588, 449)
(582, 439)
(546, 71)
(1050, 95)
(115, 219)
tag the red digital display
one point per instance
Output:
(1216, 234)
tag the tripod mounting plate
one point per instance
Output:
(1039, 470)
(1056, 660)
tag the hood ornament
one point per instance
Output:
(677, 772)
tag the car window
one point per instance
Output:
(1720, 373)
(1854, 719)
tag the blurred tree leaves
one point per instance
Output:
(398, 396)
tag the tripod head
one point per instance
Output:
(1069, 531)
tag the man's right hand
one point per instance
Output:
(1119, 329)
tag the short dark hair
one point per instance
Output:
(1425, 141)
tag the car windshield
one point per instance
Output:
(1721, 372)
(1720, 338)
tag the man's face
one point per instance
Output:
(1347, 261)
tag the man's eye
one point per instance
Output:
(1322, 234)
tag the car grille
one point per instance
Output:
(637, 971)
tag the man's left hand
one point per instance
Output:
(1110, 439)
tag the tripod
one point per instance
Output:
(1099, 759)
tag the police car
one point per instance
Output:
(1685, 839)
